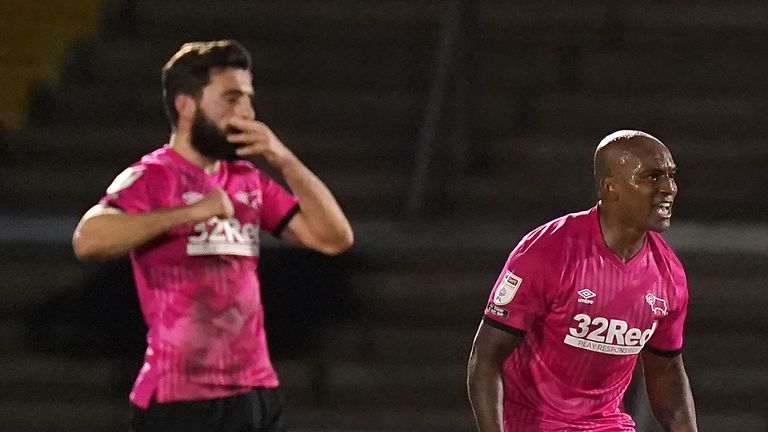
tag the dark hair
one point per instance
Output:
(188, 71)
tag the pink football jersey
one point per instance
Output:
(197, 284)
(585, 315)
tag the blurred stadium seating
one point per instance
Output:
(345, 84)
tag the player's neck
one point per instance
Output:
(180, 143)
(623, 240)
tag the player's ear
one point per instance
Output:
(186, 107)
(608, 188)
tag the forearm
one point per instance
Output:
(486, 393)
(113, 234)
(324, 217)
(671, 400)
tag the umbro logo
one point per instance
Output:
(586, 295)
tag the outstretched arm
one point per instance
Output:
(669, 392)
(106, 232)
(321, 224)
(484, 375)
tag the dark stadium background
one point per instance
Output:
(447, 129)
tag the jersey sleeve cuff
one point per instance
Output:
(664, 353)
(285, 220)
(509, 329)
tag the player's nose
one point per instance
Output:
(668, 186)
(244, 109)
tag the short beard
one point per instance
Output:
(211, 141)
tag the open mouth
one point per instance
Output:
(663, 209)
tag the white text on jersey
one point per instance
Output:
(608, 336)
(224, 237)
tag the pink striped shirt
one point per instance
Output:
(197, 284)
(586, 315)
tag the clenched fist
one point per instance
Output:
(215, 203)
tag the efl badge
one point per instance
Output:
(507, 288)
(658, 305)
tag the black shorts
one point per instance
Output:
(260, 410)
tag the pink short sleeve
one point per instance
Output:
(518, 296)
(278, 207)
(669, 332)
(139, 188)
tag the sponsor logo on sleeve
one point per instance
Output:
(658, 305)
(507, 288)
(499, 312)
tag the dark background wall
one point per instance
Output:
(447, 129)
